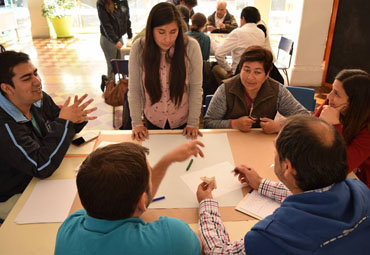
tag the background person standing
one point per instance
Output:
(115, 21)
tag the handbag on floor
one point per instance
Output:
(114, 93)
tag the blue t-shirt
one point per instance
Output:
(82, 234)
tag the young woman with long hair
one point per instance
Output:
(165, 84)
(348, 109)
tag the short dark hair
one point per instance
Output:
(250, 14)
(315, 149)
(184, 11)
(111, 180)
(259, 54)
(191, 3)
(8, 60)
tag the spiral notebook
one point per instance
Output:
(257, 206)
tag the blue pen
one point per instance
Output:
(250, 191)
(158, 198)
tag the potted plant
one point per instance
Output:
(59, 13)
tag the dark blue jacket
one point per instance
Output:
(24, 152)
(332, 222)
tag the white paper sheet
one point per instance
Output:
(50, 201)
(226, 181)
(177, 193)
(257, 206)
(104, 143)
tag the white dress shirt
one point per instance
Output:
(217, 20)
(237, 42)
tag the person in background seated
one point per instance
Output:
(185, 15)
(116, 185)
(165, 76)
(198, 21)
(326, 212)
(221, 20)
(35, 132)
(190, 4)
(208, 46)
(248, 34)
(348, 108)
(251, 99)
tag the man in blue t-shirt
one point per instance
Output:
(321, 212)
(116, 185)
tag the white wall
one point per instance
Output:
(39, 26)
(310, 38)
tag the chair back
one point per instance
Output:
(207, 100)
(305, 96)
(285, 45)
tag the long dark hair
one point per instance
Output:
(356, 84)
(162, 14)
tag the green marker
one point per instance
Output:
(189, 165)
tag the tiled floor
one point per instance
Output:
(74, 66)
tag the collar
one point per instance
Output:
(320, 190)
(222, 17)
(248, 25)
(13, 111)
(105, 226)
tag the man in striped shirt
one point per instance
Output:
(321, 210)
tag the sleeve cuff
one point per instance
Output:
(262, 185)
(208, 205)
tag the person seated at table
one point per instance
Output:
(348, 108)
(185, 15)
(221, 21)
(326, 212)
(35, 132)
(116, 185)
(190, 4)
(251, 99)
(165, 76)
(207, 45)
(248, 34)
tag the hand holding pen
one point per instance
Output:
(243, 123)
(248, 175)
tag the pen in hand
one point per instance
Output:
(189, 165)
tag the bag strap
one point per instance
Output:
(119, 71)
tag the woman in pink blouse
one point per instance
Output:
(165, 85)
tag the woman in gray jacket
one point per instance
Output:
(165, 85)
